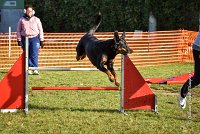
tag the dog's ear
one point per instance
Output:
(116, 36)
(123, 35)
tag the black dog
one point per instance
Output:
(102, 53)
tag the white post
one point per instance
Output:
(26, 75)
(190, 97)
(122, 85)
(9, 44)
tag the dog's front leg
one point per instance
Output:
(116, 78)
(101, 67)
(110, 67)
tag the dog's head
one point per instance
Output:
(120, 44)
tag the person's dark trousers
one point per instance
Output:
(34, 45)
(195, 80)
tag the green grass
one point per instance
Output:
(96, 111)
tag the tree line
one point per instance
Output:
(128, 15)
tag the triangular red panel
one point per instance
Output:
(12, 94)
(181, 79)
(137, 93)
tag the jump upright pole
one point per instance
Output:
(26, 75)
(122, 86)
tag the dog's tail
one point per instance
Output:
(96, 24)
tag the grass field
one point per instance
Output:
(95, 112)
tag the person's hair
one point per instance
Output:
(28, 6)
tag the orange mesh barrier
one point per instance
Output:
(188, 39)
(150, 48)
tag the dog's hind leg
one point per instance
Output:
(80, 57)
(80, 52)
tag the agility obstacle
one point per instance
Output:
(135, 94)
(12, 87)
(181, 79)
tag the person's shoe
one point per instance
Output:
(30, 72)
(35, 72)
(181, 102)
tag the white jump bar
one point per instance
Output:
(65, 69)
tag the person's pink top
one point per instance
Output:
(30, 28)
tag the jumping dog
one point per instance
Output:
(102, 53)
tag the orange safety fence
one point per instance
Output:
(150, 48)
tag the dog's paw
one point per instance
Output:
(111, 79)
(77, 58)
(117, 83)
(83, 56)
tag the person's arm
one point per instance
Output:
(40, 28)
(19, 27)
(41, 33)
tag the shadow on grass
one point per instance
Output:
(100, 110)
(72, 109)
(135, 112)
(182, 117)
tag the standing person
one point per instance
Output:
(195, 80)
(30, 26)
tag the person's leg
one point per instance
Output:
(30, 64)
(195, 80)
(33, 51)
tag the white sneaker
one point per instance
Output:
(181, 102)
(30, 72)
(35, 72)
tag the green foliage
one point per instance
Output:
(176, 14)
(95, 112)
(128, 15)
